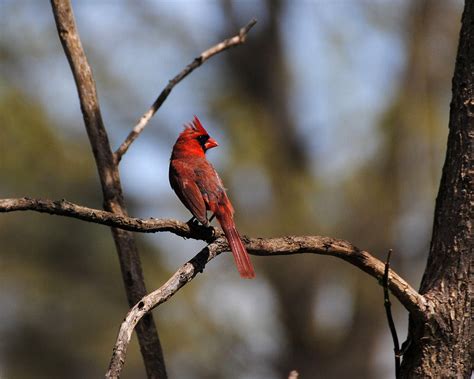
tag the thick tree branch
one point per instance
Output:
(411, 299)
(198, 61)
(114, 202)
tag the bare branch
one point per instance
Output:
(216, 49)
(109, 176)
(68, 209)
(415, 303)
(184, 275)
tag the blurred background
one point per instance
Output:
(332, 120)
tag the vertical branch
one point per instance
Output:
(388, 311)
(110, 181)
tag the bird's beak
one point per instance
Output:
(210, 143)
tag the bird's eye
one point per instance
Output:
(202, 139)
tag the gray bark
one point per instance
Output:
(439, 344)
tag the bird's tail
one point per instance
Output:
(241, 257)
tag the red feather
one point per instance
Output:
(200, 189)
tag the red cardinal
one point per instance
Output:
(200, 189)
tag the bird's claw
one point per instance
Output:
(212, 231)
(192, 221)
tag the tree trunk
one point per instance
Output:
(439, 345)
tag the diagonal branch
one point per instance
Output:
(109, 176)
(198, 61)
(180, 278)
(414, 302)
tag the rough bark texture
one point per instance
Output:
(110, 182)
(440, 346)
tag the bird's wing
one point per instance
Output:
(189, 193)
(211, 187)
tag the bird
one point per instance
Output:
(200, 189)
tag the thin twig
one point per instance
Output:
(388, 311)
(415, 303)
(180, 278)
(198, 61)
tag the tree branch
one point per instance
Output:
(415, 303)
(198, 61)
(109, 176)
(179, 279)
(98, 216)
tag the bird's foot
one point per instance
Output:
(193, 222)
(205, 230)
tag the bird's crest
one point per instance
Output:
(196, 126)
